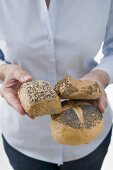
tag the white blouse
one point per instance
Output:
(49, 44)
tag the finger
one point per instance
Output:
(14, 102)
(25, 78)
(22, 76)
(102, 104)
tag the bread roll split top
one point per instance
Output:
(79, 123)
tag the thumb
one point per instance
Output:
(102, 104)
(25, 78)
(22, 76)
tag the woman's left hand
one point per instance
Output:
(102, 79)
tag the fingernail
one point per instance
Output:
(27, 77)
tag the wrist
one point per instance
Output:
(3, 69)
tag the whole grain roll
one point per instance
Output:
(78, 123)
(39, 98)
(69, 88)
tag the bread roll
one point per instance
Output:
(69, 88)
(79, 123)
(38, 98)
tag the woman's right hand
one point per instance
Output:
(13, 76)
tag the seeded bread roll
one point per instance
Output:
(78, 123)
(69, 88)
(38, 98)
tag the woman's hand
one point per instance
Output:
(13, 76)
(102, 79)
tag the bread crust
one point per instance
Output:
(37, 105)
(69, 88)
(69, 136)
(79, 123)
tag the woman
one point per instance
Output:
(48, 40)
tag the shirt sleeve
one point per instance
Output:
(2, 59)
(106, 63)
